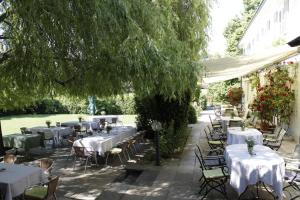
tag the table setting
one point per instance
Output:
(250, 164)
(14, 179)
(238, 135)
(103, 141)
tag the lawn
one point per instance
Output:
(12, 124)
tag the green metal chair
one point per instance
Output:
(212, 179)
(42, 192)
(213, 143)
(275, 143)
(211, 161)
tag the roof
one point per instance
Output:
(227, 68)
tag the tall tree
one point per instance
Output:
(99, 47)
(237, 27)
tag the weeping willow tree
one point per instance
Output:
(99, 47)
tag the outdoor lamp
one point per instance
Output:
(156, 127)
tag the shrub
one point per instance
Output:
(109, 106)
(192, 115)
(173, 114)
(203, 102)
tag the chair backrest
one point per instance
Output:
(46, 163)
(77, 128)
(199, 160)
(277, 131)
(23, 130)
(9, 159)
(233, 123)
(296, 153)
(211, 121)
(207, 133)
(46, 135)
(79, 152)
(200, 152)
(102, 121)
(52, 186)
(114, 120)
(228, 112)
(281, 134)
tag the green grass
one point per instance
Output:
(12, 124)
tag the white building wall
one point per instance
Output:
(276, 20)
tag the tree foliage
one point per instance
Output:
(99, 47)
(217, 92)
(238, 25)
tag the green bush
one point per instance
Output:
(109, 106)
(192, 115)
(173, 114)
(203, 102)
(74, 105)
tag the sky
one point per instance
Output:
(221, 13)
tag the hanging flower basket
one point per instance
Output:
(234, 95)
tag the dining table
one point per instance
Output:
(235, 135)
(55, 131)
(108, 118)
(104, 141)
(264, 165)
(22, 141)
(15, 178)
(90, 125)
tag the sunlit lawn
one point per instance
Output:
(12, 124)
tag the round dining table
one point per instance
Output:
(265, 165)
(235, 135)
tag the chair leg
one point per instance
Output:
(120, 158)
(86, 161)
(106, 158)
(74, 163)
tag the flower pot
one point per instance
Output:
(264, 126)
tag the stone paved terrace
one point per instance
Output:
(175, 180)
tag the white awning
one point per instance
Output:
(227, 68)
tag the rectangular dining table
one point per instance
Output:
(14, 179)
(103, 142)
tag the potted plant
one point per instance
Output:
(48, 123)
(243, 125)
(234, 95)
(250, 144)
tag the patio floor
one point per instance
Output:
(175, 180)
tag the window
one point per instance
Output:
(286, 6)
(268, 25)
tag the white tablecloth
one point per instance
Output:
(91, 125)
(106, 117)
(104, 142)
(266, 166)
(237, 136)
(57, 132)
(15, 178)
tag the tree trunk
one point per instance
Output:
(1, 142)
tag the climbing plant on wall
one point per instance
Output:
(276, 97)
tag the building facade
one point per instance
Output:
(274, 24)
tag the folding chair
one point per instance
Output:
(292, 172)
(212, 179)
(275, 144)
